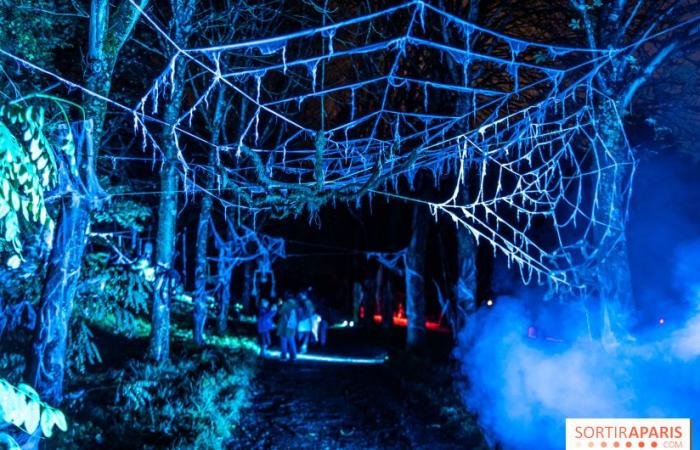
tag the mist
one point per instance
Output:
(531, 364)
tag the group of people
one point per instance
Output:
(297, 324)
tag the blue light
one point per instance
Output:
(275, 354)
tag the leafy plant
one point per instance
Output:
(198, 401)
(83, 351)
(114, 293)
(27, 169)
(21, 407)
(122, 213)
(35, 36)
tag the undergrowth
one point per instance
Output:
(193, 401)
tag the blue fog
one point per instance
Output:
(523, 388)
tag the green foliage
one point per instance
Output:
(194, 401)
(198, 401)
(115, 292)
(114, 295)
(83, 351)
(27, 170)
(22, 407)
(18, 285)
(35, 29)
(114, 287)
(123, 213)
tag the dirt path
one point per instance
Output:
(328, 405)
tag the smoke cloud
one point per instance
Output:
(524, 387)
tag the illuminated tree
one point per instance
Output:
(182, 29)
(240, 21)
(108, 30)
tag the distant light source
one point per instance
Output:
(343, 324)
(661, 321)
(489, 303)
(275, 354)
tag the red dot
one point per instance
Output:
(653, 444)
(616, 444)
(629, 444)
(603, 444)
(641, 444)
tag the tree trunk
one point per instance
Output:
(200, 271)
(46, 364)
(388, 301)
(614, 312)
(225, 299)
(378, 295)
(225, 276)
(48, 358)
(159, 343)
(246, 294)
(415, 281)
(465, 287)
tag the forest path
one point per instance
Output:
(321, 405)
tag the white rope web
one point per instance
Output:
(347, 109)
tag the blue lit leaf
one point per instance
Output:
(25, 210)
(4, 208)
(34, 149)
(32, 416)
(28, 391)
(15, 200)
(14, 262)
(23, 177)
(18, 409)
(11, 227)
(22, 407)
(47, 421)
(60, 420)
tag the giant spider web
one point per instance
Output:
(349, 108)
